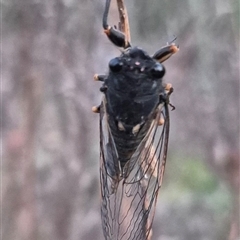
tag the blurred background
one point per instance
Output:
(50, 138)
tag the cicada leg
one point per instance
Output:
(100, 78)
(115, 36)
(165, 52)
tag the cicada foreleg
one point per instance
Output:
(117, 37)
(165, 52)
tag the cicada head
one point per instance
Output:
(136, 66)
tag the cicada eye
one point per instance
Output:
(158, 70)
(115, 65)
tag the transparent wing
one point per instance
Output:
(128, 202)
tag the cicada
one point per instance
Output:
(134, 133)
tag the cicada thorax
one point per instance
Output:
(132, 95)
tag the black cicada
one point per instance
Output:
(134, 132)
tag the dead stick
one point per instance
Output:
(124, 23)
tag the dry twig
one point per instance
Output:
(124, 23)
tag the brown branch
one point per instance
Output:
(124, 23)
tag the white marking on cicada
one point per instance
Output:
(136, 129)
(154, 85)
(120, 126)
(137, 63)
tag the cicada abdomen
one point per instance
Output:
(134, 130)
